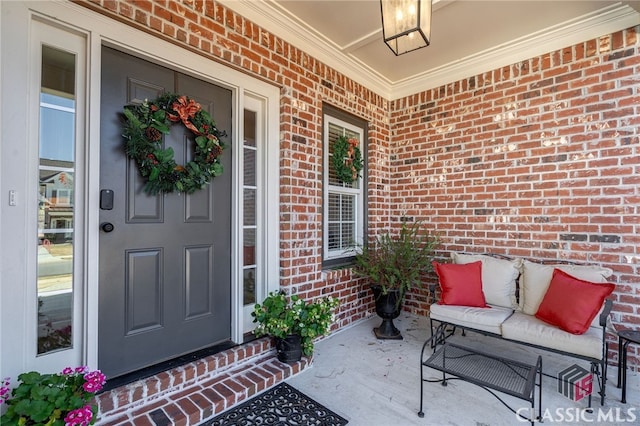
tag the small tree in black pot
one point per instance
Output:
(395, 263)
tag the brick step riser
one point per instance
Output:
(197, 391)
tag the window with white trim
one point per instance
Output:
(343, 203)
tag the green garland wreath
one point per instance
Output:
(144, 126)
(347, 159)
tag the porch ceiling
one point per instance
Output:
(468, 36)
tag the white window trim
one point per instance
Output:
(267, 196)
(358, 192)
(71, 41)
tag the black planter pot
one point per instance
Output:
(388, 307)
(289, 349)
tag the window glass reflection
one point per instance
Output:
(56, 201)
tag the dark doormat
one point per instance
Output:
(280, 405)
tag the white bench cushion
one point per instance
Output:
(498, 277)
(485, 319)
(527, 328)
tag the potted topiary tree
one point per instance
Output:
(394, 264)
(293, 322)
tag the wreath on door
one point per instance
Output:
(347, 159)
(145, 124)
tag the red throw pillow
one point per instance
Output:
(461, 284)
(571, 303)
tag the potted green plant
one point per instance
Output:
(293, 322)
(395, 263)
(52, 399)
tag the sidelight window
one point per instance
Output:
(56, 206)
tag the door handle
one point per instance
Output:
(107, 227)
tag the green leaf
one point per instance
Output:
(217, 169)
(159, 115)
(161, 127)
(155, 172)
(131, 116)
(164, 155)
(37, 410)
(201, 141)
(206, 116)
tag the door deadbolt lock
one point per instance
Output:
(107, 227)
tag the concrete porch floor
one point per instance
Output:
(376, 382)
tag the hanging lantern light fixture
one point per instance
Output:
(406, 24)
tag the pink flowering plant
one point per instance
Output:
(62, 399)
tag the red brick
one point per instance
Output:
(175, 415)
(149, 407)
(206, 406)
(191, 410)
(141, 421)
(105, 401)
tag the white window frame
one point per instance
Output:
(359, 192)
(42, 33)
(266, 227)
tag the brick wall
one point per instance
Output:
(211, 30)
(538, 159)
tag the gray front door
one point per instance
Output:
(165, 269)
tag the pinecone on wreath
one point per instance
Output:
(153, 134)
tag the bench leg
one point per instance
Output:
(619, 362)
(421, 413)
(596, 376)
(424, 346)
(539, 393)
(433, 333)
(603, 390)
(438, 334)
(599, 372)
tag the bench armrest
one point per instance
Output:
(608, 303)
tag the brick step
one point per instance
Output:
(197, 391)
